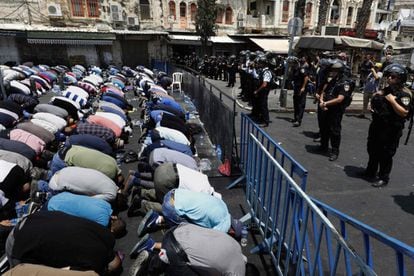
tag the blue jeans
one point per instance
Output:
(55, 165)
(168, 210)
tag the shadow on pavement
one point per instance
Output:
(288, 119)
(405, 202)
(310, 134)
(316, 149)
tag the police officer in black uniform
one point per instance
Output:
(231, 69)
(332, 103)
(391, 107)
(300, 80)
(262, 92)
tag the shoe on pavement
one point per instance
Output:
(333, 157)
(134, 209)
(296, 124)
(148, 223)
(380, 183)
(318, 140)
(146, 243)
(139, 266)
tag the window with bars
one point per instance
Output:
(183, 9)
(93, 8)
(220, 13)
(144, 8)
(308, 13)
(77, 8)
(193, 9)
(349, 16)
(229, 16)
(285, 11)
(171, 6)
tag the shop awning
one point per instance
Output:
(195, 40)
(68, 41)
(329, 42)
(70, 38)
(184, 39)
(278, 46)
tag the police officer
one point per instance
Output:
(262, 92)
(231, 70)
(391, 107)
(300, 80)
(332, 103)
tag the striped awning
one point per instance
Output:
(68, 41)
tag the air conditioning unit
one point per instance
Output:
(132, 21)
(330, 30)
(54, 10)
(116, 13)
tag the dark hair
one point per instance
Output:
(118, 228)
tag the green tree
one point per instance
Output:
(323, 12)
(205, 21)
(363, 18)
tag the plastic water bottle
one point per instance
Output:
(219, 152)
(244, 234)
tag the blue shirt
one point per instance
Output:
(113, 110)
(113, 100)
(90, 141)
(156, 115)
(202, 209)
(94, 209)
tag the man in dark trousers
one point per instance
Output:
(300, 80)
(391, 107)
(332, 104)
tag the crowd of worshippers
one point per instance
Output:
(62, 189)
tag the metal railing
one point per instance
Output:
(291, 225)
(376, 245)
(209, 99)
(294, 168)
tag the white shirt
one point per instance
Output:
(78, 91)
(58, 122)
(172, 135)
(113, 117)
(5, 168)
(46, 125)
(21, 87)
(84, 181)
(194, 181)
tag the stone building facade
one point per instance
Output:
(137, 31)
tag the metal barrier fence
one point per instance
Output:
(296, 170)
(292, 227)
(376, 245)
(210, 100)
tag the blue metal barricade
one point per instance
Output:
(375, 244)
(291, 225)
(296, 170)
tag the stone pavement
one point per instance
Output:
(390, 209)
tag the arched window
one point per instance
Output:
(229, 16)
(308, 13)
(220, 13)
(171, 6)
(183, 9)
(285, 11)
(334, 18)
(144, 7)
(349, 16)
(193, 9)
